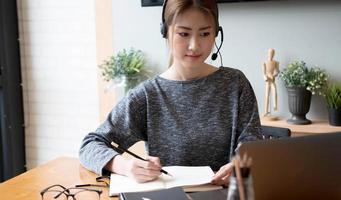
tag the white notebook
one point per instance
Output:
(190, 178)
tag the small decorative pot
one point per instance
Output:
(334, 116)
(299, 100)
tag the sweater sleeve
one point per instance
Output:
(249, 127)
(125, 125)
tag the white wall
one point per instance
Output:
(309, 30)
(58, 56)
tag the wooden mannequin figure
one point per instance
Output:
(270, 71)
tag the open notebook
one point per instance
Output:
(190, 178)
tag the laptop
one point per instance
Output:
(307, 167)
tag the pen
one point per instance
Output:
(136, 156)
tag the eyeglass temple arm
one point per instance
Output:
(43, 191)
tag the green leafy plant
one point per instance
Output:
(333, 96)
(126, 65)
(297, 74)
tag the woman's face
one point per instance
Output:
(192, 38)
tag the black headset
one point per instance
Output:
(164, 30)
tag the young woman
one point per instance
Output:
(193, 114)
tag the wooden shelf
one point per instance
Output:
(317, 127)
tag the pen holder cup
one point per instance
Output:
(233, 192)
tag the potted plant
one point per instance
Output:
(302, 82)
(127, 67)
(333, 100)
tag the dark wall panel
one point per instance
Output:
(11, 104)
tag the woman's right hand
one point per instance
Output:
(140, 170)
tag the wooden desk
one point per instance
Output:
(317, 126)
(64, 170)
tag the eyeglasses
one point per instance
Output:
(59, 192)
(100, 179)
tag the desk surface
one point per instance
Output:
(64, 170)
(316, 127)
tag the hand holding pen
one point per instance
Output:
(141, 169)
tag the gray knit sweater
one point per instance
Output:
(194, 123)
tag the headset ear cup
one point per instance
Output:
(219, 29)
(222, 34)
(163, 29)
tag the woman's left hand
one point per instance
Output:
(222, 176)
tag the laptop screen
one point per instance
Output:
(307, 167)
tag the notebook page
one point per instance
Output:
(187, 176)
(123, 184)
